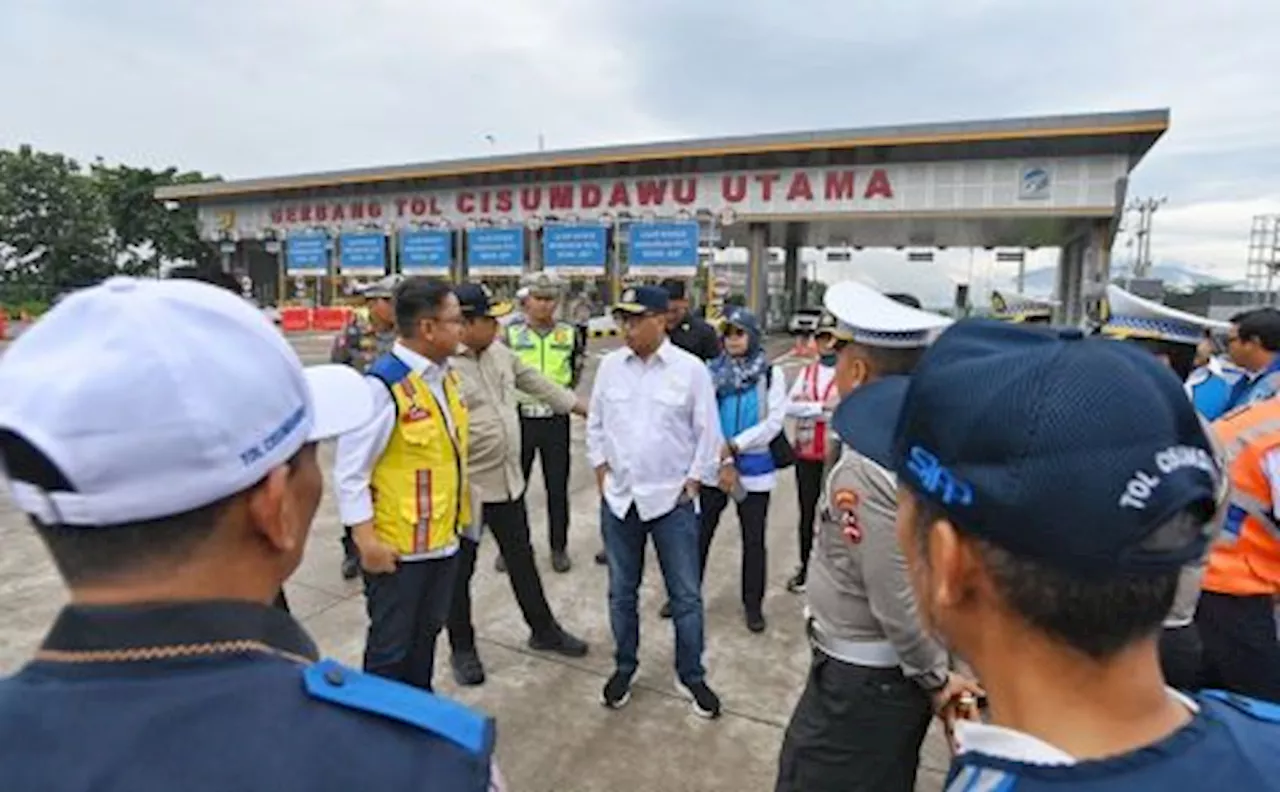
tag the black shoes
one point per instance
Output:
(796, 584)
(559, 641)
(665, 610)
(350, 567)
(602, 558)
(500, 564)
(756, 622)
(468, 671)
(706, 704)
(617, 691)
(560, 561)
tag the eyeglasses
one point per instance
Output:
(734, 332)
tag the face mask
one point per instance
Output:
(827, 359)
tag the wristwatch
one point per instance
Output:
(932, 681)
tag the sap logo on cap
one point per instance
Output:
(1035, 183)
(1142, 485)
(937, 480)
(629, 295)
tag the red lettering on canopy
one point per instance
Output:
(291, 214)
(767, 180)
(733, 188)
(686, 190)
(486, 205)
(418, 206)
(322, 213)
(531, 198)
(339, 212)
(466, 202)
(800, 187)
(433, 205)
(375, 210)
(503, 201)
(878, 185)
(400, 205)
(277, 216)
(357, 211)
(838, 185)
(619, 196)
(562, 196)
(305, 215)
(651, 192)
(591, 196)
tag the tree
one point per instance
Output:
(53, 225)
(147, 232)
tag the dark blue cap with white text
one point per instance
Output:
(1056, 447)
(640, 300)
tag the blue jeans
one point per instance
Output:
(675, 537)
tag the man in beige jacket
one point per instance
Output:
(491, 374)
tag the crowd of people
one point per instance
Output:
(1053, 541)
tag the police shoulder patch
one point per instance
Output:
(1266, 711)
(333, 682)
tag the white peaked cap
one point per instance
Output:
(1127, 315)
(870, 318)
(155, 398)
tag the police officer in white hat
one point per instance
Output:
(877, 676)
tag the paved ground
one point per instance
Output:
(553, 735)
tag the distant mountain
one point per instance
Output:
(1041, 281)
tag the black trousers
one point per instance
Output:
(855, 729)
(407, 609)
(809, 489)
(1241, 651)
(509, 523)
(348, 544)
(549, 438)
(753, 513)
(1182, 658)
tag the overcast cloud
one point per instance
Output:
(242, 88)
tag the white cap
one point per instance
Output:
(868, 317)
(522, 292)
(1125, 315)
(158, 397)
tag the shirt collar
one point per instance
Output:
(422, 366)
(95, 628)
(663, 352)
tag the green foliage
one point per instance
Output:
(64, 227)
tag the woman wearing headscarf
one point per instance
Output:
(752, 397)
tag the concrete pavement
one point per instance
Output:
(553, 736)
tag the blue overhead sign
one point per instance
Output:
(665, 246)
(363, 252)
(495, 251)
(307, 254)
(426, 252)
(575, 247)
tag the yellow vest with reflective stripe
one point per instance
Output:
(552, 354)
(421, 498)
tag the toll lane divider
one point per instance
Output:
(302, 320)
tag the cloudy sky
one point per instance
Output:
(242, 88)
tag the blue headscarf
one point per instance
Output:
(736, 374)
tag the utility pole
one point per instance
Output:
(1145, 208)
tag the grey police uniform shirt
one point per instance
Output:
(1187, 596)
(858, 587)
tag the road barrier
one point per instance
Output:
(295, 320)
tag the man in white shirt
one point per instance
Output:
(402, 486)
(653, 433)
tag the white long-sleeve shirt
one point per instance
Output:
(801, 403)
(358, 452)
(757, 437)
(655, 424)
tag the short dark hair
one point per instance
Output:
(1181, 356)
(211, 276)
(892, 361)
(88, 555)
(1095, 616)
(675, 288)
(416, 298)
(1261, 324)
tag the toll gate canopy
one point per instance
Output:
(643, 211)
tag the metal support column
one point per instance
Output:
(758, 270)
(1070, 280)
(1096, 269)
(796, 236)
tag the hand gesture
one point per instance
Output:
(954, 701)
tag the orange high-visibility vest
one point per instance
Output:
(1245, 561)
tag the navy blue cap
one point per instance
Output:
(865, 419)
(476, 300)
(1067, 449)
(638, 300)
